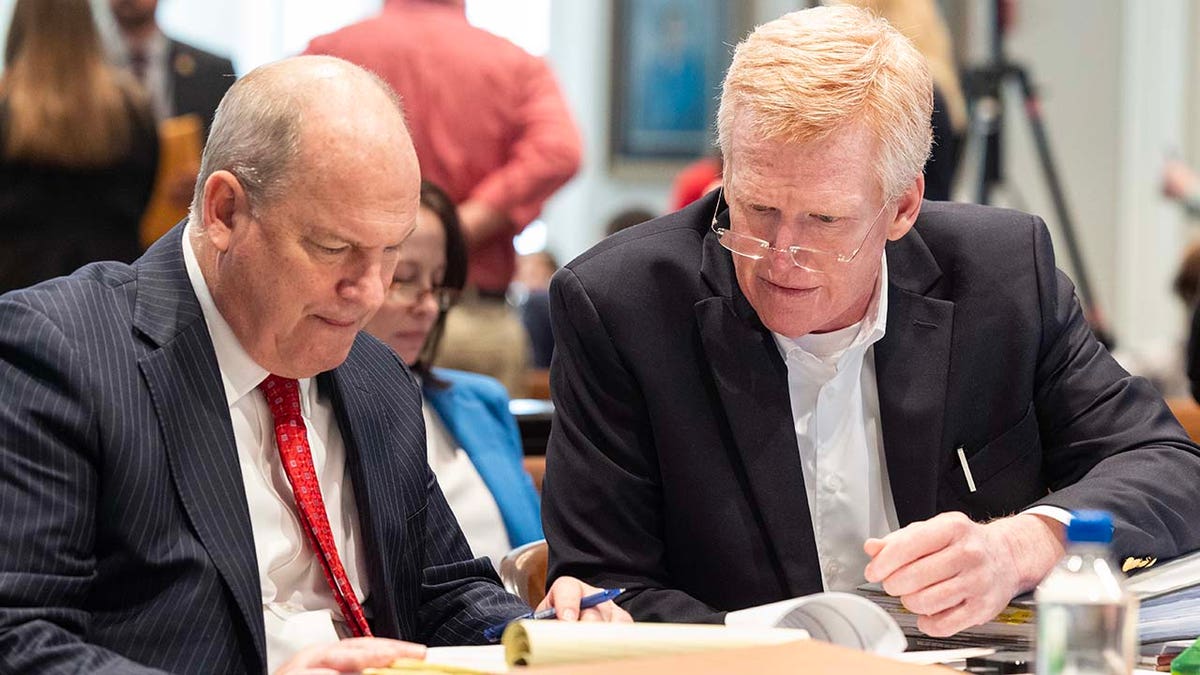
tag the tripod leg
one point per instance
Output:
(1033, 114)
(985, 132)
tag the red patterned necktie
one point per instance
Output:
(283, 397)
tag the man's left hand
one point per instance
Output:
(955, 573)
(564, 597)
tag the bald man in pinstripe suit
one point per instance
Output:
(149, 523)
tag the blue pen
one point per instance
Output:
(493, 633)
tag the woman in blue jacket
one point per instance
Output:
(473, 443)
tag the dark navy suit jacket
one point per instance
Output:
(198, 80)
(125, 539)
(673, 469)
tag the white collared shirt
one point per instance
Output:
(470, 499)
(298, 607)
(835, 410)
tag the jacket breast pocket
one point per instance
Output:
(1006, 472)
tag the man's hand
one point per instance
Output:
(565, 594)
(350, 656)
(480, 222)
(954, 573)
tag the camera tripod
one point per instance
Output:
(985, 87)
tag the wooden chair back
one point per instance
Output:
(523, 571)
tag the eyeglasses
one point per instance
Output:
(411, 293)
(804, 257)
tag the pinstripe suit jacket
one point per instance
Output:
(125, 540)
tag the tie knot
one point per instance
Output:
(283, 397)
(139, 63)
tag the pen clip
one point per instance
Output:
(962, 459)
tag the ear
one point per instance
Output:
(224, 206)
(908, 206)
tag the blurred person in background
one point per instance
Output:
(491, 127)
(181, 79)
(628, 218)
(532, 290)
(922, 23)
(77, 147)
(1187, 289)
(472, 440)
(535, 269)
(695, 180)
(1169, 364)
(184, 84)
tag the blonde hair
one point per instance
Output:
(922, 22)
(810, 73)
(66, 106)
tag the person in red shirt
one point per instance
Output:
(696, 180)
(491, 126)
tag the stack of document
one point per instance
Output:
(1170, 610)
(530, 643)
(1170, 595)
(843, 619)
(839, 618)
(1012, 630)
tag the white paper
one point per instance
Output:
(840, 618)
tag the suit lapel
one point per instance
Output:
(363, 432)
(912, 364)
(751, 379)
(185, 387)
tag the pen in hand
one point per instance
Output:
(493, 633)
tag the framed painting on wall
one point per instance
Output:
(669, 57)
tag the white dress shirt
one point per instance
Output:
(470, 499)
(835, 410)
(298, 607)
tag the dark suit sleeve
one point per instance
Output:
(460, 596)
(601, 499)
(1109, 442)
(48, 492)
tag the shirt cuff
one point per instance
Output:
(1060, 514)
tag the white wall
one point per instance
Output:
(581, 55)
(1112, 75)
(1072, 51)
(580, 52)
(1151, 232)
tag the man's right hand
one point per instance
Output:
(350, 656)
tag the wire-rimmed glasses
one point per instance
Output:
(804, 257)
(411, 292)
